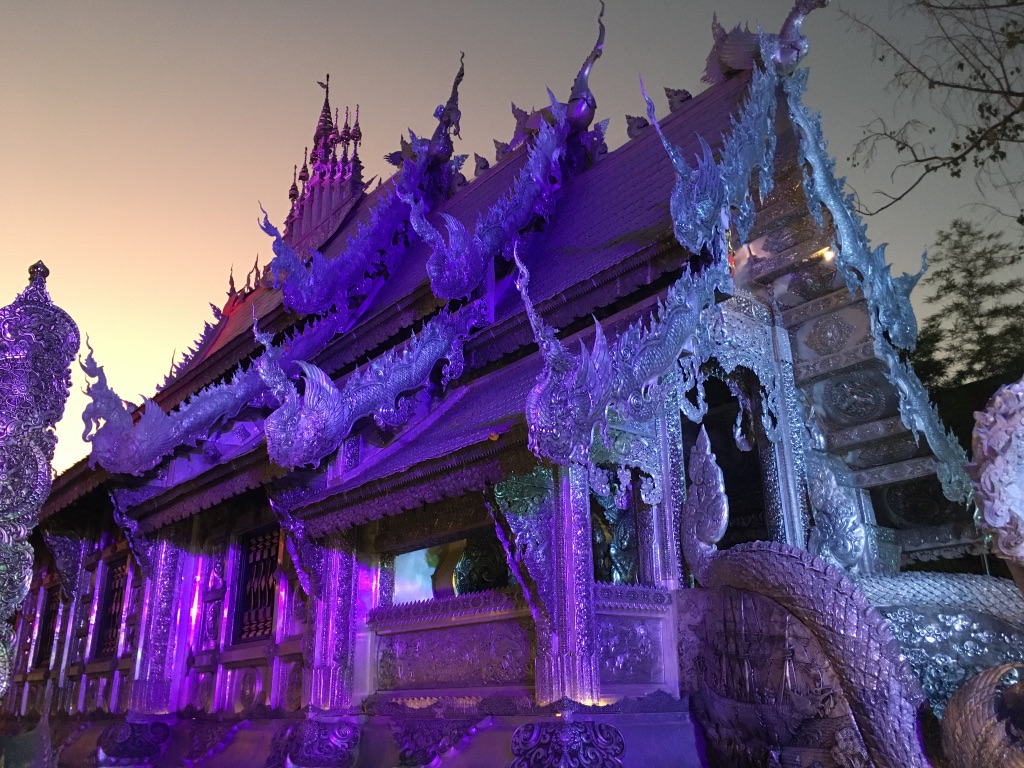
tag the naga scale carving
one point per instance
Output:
(457, 267)
(893, 325)
(884, 698)
(576, 395)
(305, 428)
(122, 445)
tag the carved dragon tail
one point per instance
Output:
(980, 719)
(884, 697)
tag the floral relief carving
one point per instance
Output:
(829, 334)
(496, 653)
(567, 745)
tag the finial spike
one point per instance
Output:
(582, 104)
(38, 272)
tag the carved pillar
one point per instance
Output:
(790, 449)
(329, 736)
(673, 475)
(574, 564)
(145, 733)
(330, 642)
(546, 536)
(163, 630)
(37, 345)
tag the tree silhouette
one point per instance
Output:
(979, 329)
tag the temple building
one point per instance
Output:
(445, 483)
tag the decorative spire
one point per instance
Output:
(356, 135)
(304, 173)
(324, 126)
(582, 104)
(324, 136)
(345, 136)
(293, 193)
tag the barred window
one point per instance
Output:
(257, 587)
(112, 607)
(47, 626)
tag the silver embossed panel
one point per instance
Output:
(488, 654)
(630, 650)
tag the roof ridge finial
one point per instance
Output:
(357, 134)
(582, 104)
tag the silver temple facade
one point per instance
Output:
(445, 483)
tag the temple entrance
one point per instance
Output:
(742, 469)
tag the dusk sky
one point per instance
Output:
(139, 137)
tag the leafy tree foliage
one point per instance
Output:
(970, 69)
(979, 329)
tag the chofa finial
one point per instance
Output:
(582, 104)
(739, 49)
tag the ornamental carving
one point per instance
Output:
(68, 549)
(919, 503)
(37, 344)
(854, 397)
(893, 325)
(786, 237)
(467, 656)
(829, 334)
(997, 470)
(583, 744)
(249, 688)
(526, 531)
(132, 743)
(629, 650)
(813, 280)
(884, 452)
(210, 738)
(947, 648)
(576, 395)
(324, 744)
(839, 534)
(306, 428)
(633, 598)
(482, 565)
(423, 740)
(492, 604)
(614, 532)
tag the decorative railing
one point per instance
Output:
(476, 606)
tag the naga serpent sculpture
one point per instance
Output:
(888, 705)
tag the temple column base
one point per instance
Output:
(136, 742)
(325, 741)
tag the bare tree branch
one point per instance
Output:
(970, 64)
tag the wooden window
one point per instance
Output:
(47, 626)
(112, 607)
(257, 587)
